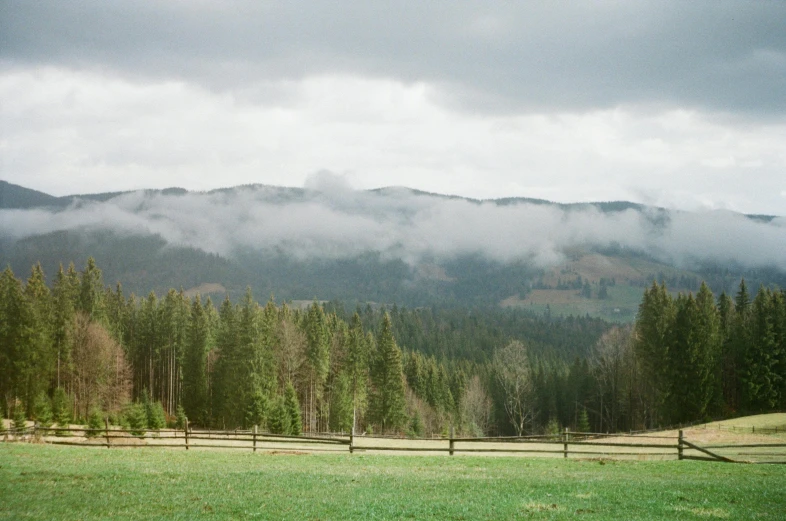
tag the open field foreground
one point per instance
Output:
(54, 482)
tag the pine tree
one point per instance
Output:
(583, 424)
(39, 357)
(357, 365)
(224, 372)
(154, 411)
(341, 407)
(416, 426)
(181, 418)
(280, 421)
(19, 342)
(136, 417)
(728, 369)
(387, 404)
(693, 357)
(318, 357)
(293, 410)
(195, 391)
(63, 295)
(95, 422)
(43, 410)
(91, 292)
(760, 379)
(654, 322)
(19, 419)
(258, 410)
(61, 411)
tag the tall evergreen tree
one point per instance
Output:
(387, 404)
(761, 381)
(357, 365)
(693, 357)
(195, 397)
(39, 357)
(292, 407)
(653, 324)
(224, 379)
(64, 295)
(91, 292)
(17, 341)
(318, 358)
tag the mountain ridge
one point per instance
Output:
(11, 194)
(389, 245)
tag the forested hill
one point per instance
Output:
(79, 350)
(391, 246)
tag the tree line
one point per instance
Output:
(80, 349)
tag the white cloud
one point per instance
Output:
(343, 223)
(79, 132)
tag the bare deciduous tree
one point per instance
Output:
(612, 361)
(101, 377)
(476, 406)
(514, 376)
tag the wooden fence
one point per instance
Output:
(565, 445)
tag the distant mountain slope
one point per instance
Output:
(390, 245)
(15, 197)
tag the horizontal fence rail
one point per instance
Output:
(566, 445)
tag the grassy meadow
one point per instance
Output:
(50, 482)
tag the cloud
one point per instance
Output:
(77, 132)
(483, 56)
(399, 223)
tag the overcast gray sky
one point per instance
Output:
(681, 104)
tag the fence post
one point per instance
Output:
(106, 424)
(186, 433)
(679, 446)
(565, 443)
(255, 438)
(451, 440)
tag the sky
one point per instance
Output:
(677, 104)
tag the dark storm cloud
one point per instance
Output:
(712, 55)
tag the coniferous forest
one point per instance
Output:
(74, 350)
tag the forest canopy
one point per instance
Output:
(80, 349)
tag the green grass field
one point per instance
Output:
(48, 482)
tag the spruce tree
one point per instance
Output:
(224, 379)
(583, 422)
(318, 358)
(258, 410)
(95, 422)
(18, 354)
(43, 410)
(91, 292)
(61, 411)
(19, 419)
(292, 407)
(156, 417)
(39, 357)
(280, 421)
(195, 392)
(760, 379)
(727, 367)
(341, 407)
(387, 406)
(654, 323)
(357, 364)
(136, 417)
(181, 418)
(63, 295)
